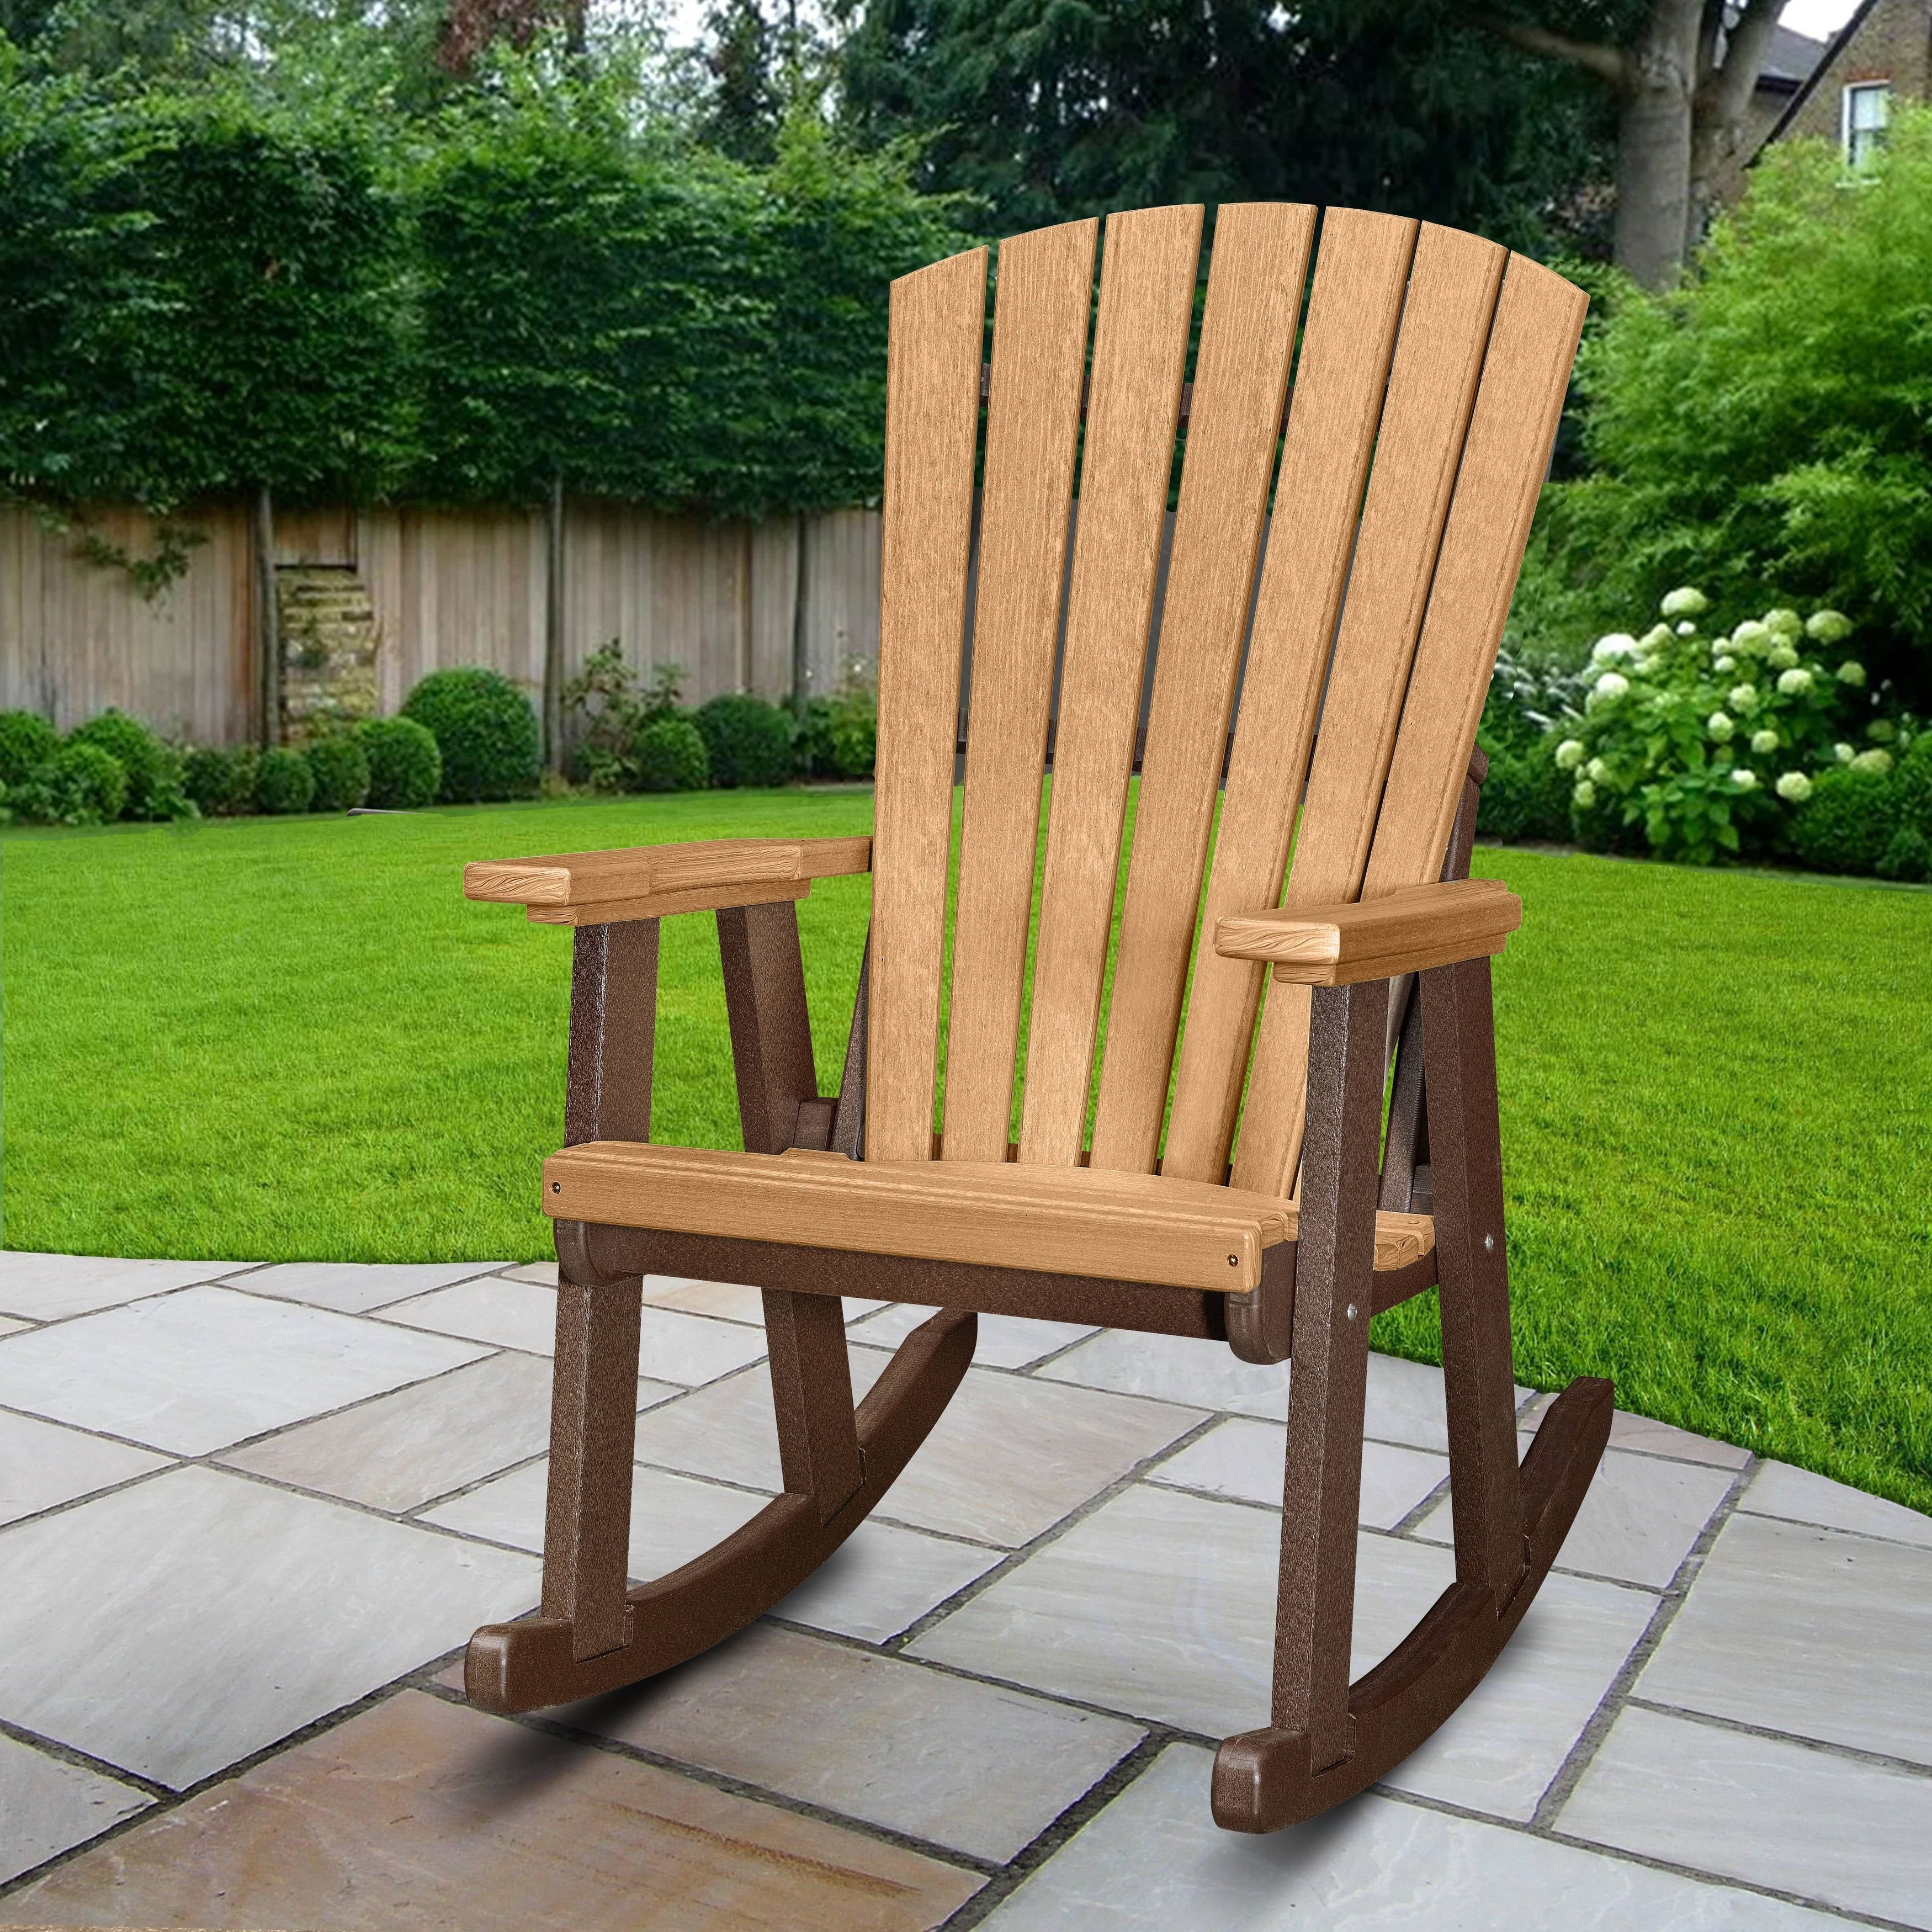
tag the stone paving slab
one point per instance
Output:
(249, 1527)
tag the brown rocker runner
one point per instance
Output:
(1394, 485)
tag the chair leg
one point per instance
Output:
(1330, 1739)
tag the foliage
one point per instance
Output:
(405, 765)
(26, 739)
(1766, 423)
(1874, 820)
(605, 694)
(340, 767)
(749, 741)
(1042, 110)
(153, 770)
(220, 778)
(669, 754)
(838, 736)
(283, 782)
(1693, 746)
(486, 729)
(1524, 797)
(80, 784)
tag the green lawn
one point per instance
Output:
(267, 1040)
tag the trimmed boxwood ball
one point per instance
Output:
(153, 770)
(750, 742)
(405, 767)
(80, 784)
(1847, 823)
(1912, 776)
(283, 782)
(340, 769)
(670, 754)
(27, 740)
(220, 778)
(486, 729)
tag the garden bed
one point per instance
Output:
(294, 1039)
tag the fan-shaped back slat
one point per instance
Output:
(1247, 335)
(932, 406)
(1043, 295)
(1361, 269)
(1525, 371)
(1147, 280)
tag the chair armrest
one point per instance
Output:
(650, 881)
(1402, 932)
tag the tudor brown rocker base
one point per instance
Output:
(1443, 360)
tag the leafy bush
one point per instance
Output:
(80, 784)
(1766, 422)
(607, 695)
(486, 729)
(669, 754)
(26, 740)
(220, 779)
(283, 782)
(1693, 746)
(750, 741)
(837, 737)
(1524, 795)
(153, 770)
(340, 767)
(1868, 817)
(405, 767)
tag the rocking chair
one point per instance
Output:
(1401, 471)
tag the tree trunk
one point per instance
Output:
(1719, 108)
(267, 619)
(553, 669)
(1654, 144)
(801, 641)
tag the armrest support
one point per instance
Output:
(650, 881)
(1402, 932)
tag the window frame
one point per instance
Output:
(1857, 157)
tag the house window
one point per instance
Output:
(1867, 108)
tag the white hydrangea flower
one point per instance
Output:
(1655, 638)
(1763, 742)
(1843, 752)
(1617, 644)
(1827, 626)
(1794, 786)
(1881, 730)
(1742, 696)
(1783, 654)
(1611, 686)
(1719, 726)
(1744, 778)
(1684, 601)
(1597, 771)
(1785, 623)
(1585, 796)
(1873, 761)
(1723, 661)
(1569, 754)
(1853, 673)
(1751, 635)
(1795, 683)
(1687, 629)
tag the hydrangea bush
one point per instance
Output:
(1694, 743)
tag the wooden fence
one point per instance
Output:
(447, 587)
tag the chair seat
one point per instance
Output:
(1123, 1227)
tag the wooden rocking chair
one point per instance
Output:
(1402, 471)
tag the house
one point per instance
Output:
(1883, 51)
(1790, 64)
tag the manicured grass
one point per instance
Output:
(267, 1040)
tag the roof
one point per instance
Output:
(1793, 59)
(1833, 47)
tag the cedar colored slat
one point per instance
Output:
(1254, 301)
(642, 871)
(1147, 281)
(1361, 268)
(1539, 318)
(1415, 927)
(1439, 356)
(1043, 296)
(932, 402)
(1073, 1220)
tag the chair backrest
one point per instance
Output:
(1431, 371)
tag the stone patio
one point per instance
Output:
(251, 1514)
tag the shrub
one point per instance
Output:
(27, 740)
(486, 731)
(1524, 795)
(405, 767)
(80, 784)
(1847, 823)
(283, 782)
(340, 769)
(669, 754)
(220, 779)
(153, 770)
(838, 736)
(1908, 855)
(1914, 783)
(749, 740)
(607, 695)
